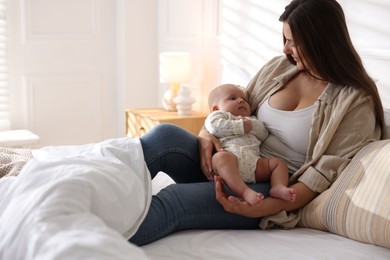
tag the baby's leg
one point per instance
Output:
(225, 165)
(275, 170)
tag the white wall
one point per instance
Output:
(137, 58)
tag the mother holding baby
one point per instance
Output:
(320, 107)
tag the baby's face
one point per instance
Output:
(233, 100)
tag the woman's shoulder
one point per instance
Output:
(345, 98)
(342, 92)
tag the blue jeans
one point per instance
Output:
(191, 203)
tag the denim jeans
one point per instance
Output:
(190, 203)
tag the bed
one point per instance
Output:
(298, 243)
(83, 202)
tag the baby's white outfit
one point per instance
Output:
(246, 147)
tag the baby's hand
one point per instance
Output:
(247, 125)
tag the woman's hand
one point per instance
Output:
(208, 143)
(233, 204)
(268, 207)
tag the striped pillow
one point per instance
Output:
(357, 205)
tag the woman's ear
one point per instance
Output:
(215, 108)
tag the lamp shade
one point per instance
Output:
(175, 67)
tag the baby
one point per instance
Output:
(241, 135)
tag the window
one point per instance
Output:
(5, 123)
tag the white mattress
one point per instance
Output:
(298, 243)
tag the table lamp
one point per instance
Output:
(175, 69)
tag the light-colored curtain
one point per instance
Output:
(5, 123)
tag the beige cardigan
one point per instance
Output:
(343, 122)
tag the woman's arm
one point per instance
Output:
(268, 207)
(208, 144)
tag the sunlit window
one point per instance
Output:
(4, 92)
(250, 35)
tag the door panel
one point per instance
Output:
(62, 69)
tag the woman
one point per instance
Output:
(320, 107)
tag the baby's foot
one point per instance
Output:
(283, 192)
(252, 197)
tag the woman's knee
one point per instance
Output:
(168, 135)
(169, 129)
(173, 150)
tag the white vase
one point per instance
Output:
(184, 101)
(169, 96)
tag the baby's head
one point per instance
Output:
(229, 98)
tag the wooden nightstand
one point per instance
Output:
(140, 121)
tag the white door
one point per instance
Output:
(62, 69)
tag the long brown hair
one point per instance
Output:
(321, 35)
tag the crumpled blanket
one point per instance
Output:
(76, 202)
(12, 160)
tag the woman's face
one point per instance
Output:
(290, 48)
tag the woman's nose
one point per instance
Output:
(286, 49)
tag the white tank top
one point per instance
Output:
(289, 133)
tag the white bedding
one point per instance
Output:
(83, 202)
(76, 202)
(294, 244)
